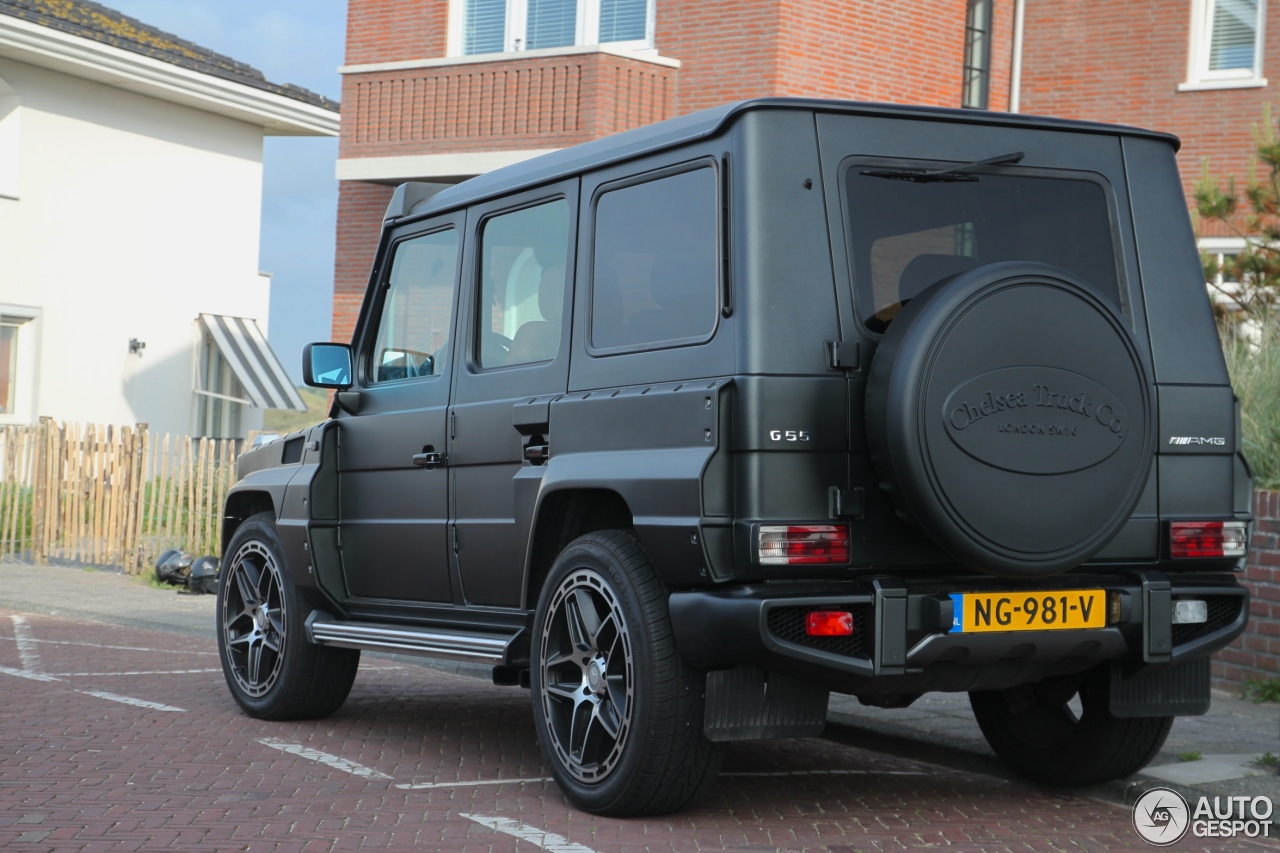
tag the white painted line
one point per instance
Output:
(419, 786)
(324, 758)
(833, 773)
(536, 837)
(140, 672)
(129, 700)
(26, 647)
(118, 648)
(34, 676)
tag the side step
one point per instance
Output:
(445, 644)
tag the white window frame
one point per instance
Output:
(27, 375)
(1199, 77)
(587, 33)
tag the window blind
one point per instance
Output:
(623, 20)
(484, 26)
(551, 23)
(1234, 34)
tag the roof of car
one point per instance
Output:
(705, 123)
(99, 23)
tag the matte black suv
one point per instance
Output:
(687, 427)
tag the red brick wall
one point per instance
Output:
(512, 104)
(1122, 62)
(1255, 654)
(360, 210)
(393, 30)
(871, 50)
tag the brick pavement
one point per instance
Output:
(87, 771)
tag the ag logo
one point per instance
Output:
(1161, 816)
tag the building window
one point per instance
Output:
(18, 356)
(977, 55)
(221, 395)
(503, 26)
(9, 357)
(1226, 40)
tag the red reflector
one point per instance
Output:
(829, 623)
(804, 544)
(1191, 539)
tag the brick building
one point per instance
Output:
(441, 90)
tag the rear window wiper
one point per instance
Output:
(949, 174)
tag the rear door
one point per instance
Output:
(517, 297)
(393, 474)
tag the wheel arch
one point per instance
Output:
(240, 506)
(562, 516)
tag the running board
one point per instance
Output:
(444, 644)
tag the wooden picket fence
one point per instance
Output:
(110, 495)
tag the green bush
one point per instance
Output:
(1254, 363)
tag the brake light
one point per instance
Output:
(1192, 539)
(829, 623)
(804, 545)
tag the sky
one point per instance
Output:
(290, 41)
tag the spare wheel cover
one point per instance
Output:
(1010, 417)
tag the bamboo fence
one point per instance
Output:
(110, 495)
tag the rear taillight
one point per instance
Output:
(829, 623)
(1194, 539)
(804, 545)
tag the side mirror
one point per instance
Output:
(327, 366)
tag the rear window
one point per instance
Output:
(905, 236)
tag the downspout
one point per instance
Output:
(1015, 73)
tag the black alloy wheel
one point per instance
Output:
(273, 670)
(618, 712)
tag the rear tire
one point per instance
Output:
(618, 713)
(273, 670)
(1035, 732)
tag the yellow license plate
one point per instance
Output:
(1028, 611)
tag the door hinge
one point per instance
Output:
(842, 355)
(842, 503)
(453, 537)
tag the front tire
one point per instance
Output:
(1034, 730)
(272, 670)
(618, 713)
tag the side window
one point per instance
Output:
(522, 280)
(413, 331)
(655, 263)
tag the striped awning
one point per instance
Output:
(247, 352)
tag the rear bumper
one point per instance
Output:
(902, 645)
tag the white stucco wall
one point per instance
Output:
(132, 217)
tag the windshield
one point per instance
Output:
(905, 236)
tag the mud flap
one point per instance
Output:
(1176, 691)
(747, 703)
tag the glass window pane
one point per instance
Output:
(551, 23)
(977, 55)
(522, 281)
(1234, 36)
(8, 367)
(906, 236)
(655, 273)
(484, 26)
(413, 332)
(623, 20)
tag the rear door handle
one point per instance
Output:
(428, 459)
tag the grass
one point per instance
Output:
(285, 421)
(1255, 374)
(1262, 689)
(1194, 755)
(1268, 760)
